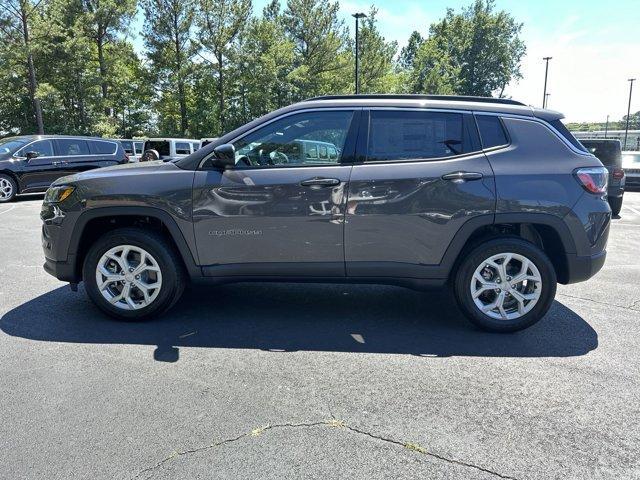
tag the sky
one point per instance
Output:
(595, 47)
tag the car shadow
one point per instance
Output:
(294, 317)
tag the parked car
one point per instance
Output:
(168, 148)
(133, 148)
(494, 198)
(631, 167)
(609, 152)
(30, 163)
(206, 141)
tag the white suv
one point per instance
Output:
(168, 148)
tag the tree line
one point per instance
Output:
(70, 66)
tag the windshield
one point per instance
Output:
(11, 144)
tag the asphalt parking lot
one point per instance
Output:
(316, 381)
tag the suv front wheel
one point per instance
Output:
(133, 274)
(505, 285)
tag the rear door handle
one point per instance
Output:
(57, 164)
(320, 182)
(462, 176)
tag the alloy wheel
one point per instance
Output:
(6, 189)
(506, 286)
(128, 277)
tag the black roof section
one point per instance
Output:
(448, 98)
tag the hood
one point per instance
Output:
(127, 169)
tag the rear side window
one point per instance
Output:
(102, 148)
(72, 147)
(492, 132)
(183, 148)
(562, 130)
(128, 147)
(413, 135)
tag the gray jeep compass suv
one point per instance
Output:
(494, 198)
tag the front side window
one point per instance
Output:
(72, 147)
(44, 148)
(400, 135)
(183, 148)
(296, 140)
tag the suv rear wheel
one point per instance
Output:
(505, 285)
(133, 274)
(8, 188)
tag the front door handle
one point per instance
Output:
(462, 176)
(320, 182)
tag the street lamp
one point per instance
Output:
(546, 72)
(358, 16)
(546, 99)
(626, 129)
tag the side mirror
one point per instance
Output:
(225, 155)
(31, 155)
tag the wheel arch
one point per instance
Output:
(15, 178)
(94, 223)
(546, 231)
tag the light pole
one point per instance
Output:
(606, 127)
(358, 16)
(546, 99)
(626, 129)
(546, 73)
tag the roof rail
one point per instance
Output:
(448, 98)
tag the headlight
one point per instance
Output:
(58, 194)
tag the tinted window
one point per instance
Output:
(608, 152)
(162, 147)
(406, 135)
(72, 146)
(43, 147)
(102, 148)
(182, 148)
(492, 132)
(128, 146)
(296, 140)
(559, 126)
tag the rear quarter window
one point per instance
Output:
(492, 132)
(562, 130)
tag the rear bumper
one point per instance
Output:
(583, 267)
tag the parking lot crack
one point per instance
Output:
(148, 472)
(634, 306)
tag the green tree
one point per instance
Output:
(17, 16)
(167, 36)
(475, 52)
(322, 63)
(103, 20)
(409, 52)
(219, 23)
(376, 58)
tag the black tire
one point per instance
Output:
(13, 187)
(616, 205)
(477, 256)
(174, 277)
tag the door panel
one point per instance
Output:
(402, 214)
(264, 221)
(42, 171)
(280, 211)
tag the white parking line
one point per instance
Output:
(8, 209)
(632, 209)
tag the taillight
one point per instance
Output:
(593, 179)
(618, 173)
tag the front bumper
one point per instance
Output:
(64, 271)
(583, 267)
